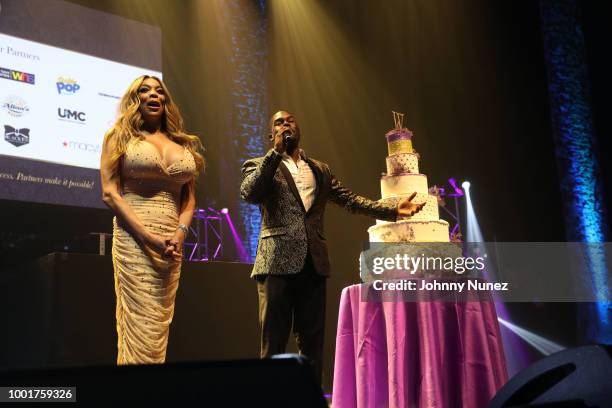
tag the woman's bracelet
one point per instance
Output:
(183, 228)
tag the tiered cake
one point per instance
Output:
(401, 180)
(424, 235)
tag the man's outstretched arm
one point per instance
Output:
(257, 177)
(357, 204)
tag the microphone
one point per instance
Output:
(288, 137)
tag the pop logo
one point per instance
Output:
(67, 86)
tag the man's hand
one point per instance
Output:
(279, 141)
(406, 208)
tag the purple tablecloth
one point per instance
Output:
(416, 354)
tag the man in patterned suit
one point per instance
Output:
(292, 264)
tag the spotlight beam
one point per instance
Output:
(242, 253)
(542, 344)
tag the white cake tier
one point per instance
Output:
(410, 231)
(427, 213)
(402, 163)
(402, 184)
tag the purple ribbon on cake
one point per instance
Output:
(395, 134)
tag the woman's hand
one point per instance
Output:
(163, 246)
(174, 245)
(155, 242)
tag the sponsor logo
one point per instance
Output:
(70, 115)
(67, 86)
(15, 106)
(87, 147)
(19, 76)
(16, 137)
(108, 95)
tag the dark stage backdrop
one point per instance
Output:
(469, 76)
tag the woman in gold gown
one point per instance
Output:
(148, 169)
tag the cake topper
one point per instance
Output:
(398, 120)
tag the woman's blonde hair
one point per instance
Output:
(129, 123)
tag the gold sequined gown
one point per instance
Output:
(146, 283)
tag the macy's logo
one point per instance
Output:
(88, 147)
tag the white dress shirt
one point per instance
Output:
(303, 177)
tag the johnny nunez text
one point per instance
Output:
(412, 285)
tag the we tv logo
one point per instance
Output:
(19, 76)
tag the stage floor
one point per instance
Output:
(60, 310)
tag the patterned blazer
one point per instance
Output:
(288, 231)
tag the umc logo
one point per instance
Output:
(67, 86)
(16, 137)
(19, 76)
(71, 115)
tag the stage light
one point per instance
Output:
(458, 192)
(224, 211)
(473, 228)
